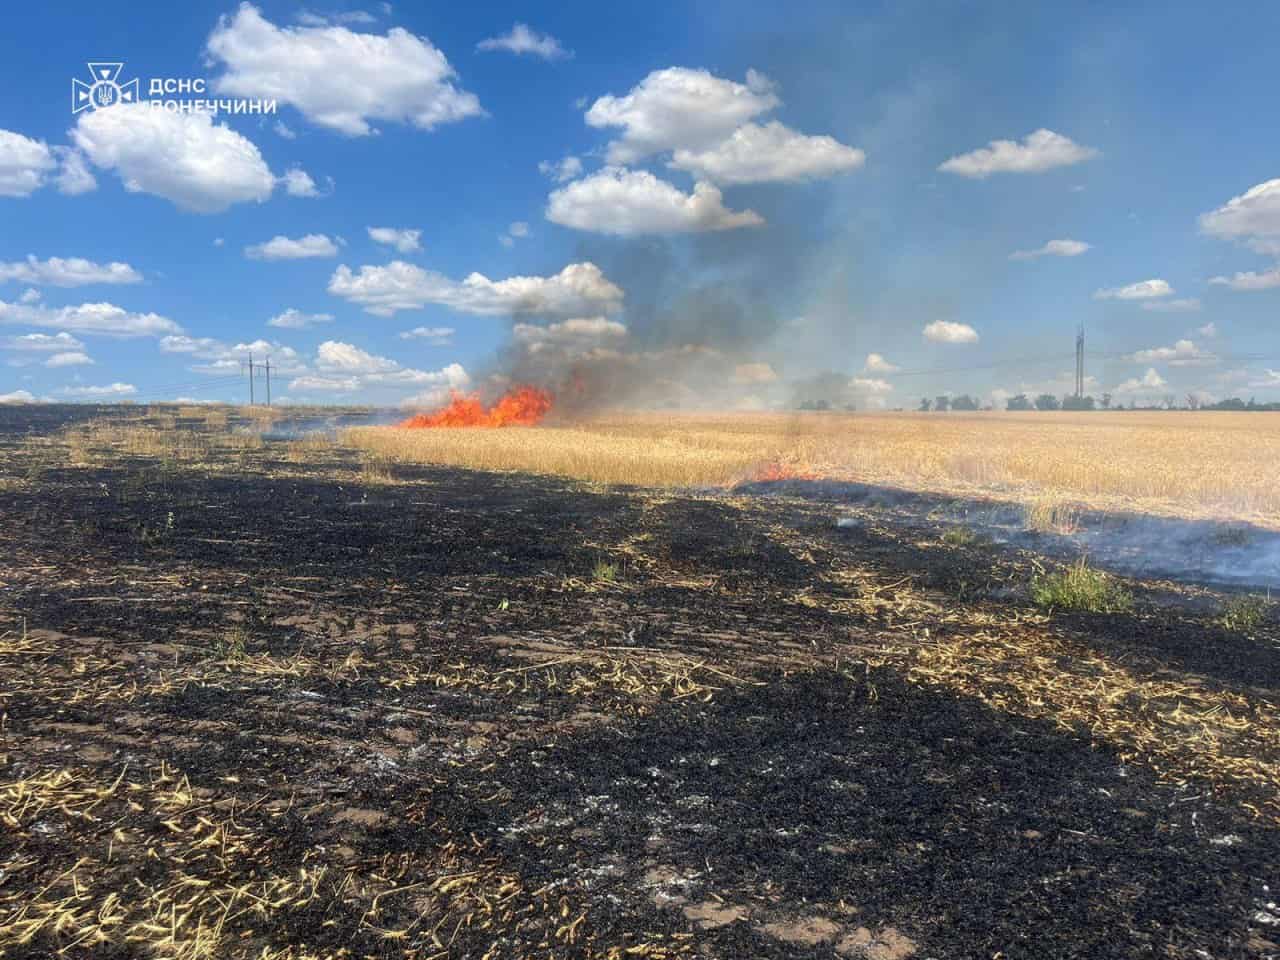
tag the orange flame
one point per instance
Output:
(522, 406)
(774, 471)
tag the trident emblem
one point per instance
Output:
(104, 91)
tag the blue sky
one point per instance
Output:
(702, 203)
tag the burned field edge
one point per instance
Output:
(268, 704)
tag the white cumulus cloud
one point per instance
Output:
(1054, 248)
(946, 331)
(284, 248)
(186, 158)
(442, 382)
(346, 368)
(74, 358)
(516, 231)
(74, 176)
(1037, 152)
(382, 290)
(27, 164)
(309, 19)
(24, 164)
(1184, 353)
(435, 336)
(100, 318)
(1147, 382)
(298, 183)
(108, 390)
(67, 272)
(17, 396)
(1253, 217)
(338, 78)
(42, 343)
(875, 363)
(769, 153)
(406, 241)
(335, 356)
(451, 377)
(1250, 280)
(523, 39)
(679, 108)
(293, 319)
(312, 382)
(630, 202)
(563, 170)
(1142, 290)
(229, 358)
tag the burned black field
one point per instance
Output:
(263, 699)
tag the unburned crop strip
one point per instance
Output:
(1162, 463)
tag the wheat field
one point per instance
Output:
(1221, 465)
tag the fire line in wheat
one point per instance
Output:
(520, 407)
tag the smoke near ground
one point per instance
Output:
(1199, 551)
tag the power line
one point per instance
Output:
(1044, 358)
(163, 392)
(192, 385)
(266, 368)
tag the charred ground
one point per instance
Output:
(272, 700)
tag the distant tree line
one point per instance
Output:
(849, 406)
(942, 403)
(1048, 401)
(832, 391)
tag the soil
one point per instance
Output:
(272, 709)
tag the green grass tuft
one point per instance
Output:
(961, 537)
(605, 571)
(233, 644)
(1080, 587)
(1245, 614)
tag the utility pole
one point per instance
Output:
(268, 381)
(1080, 363)
(251, 379)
